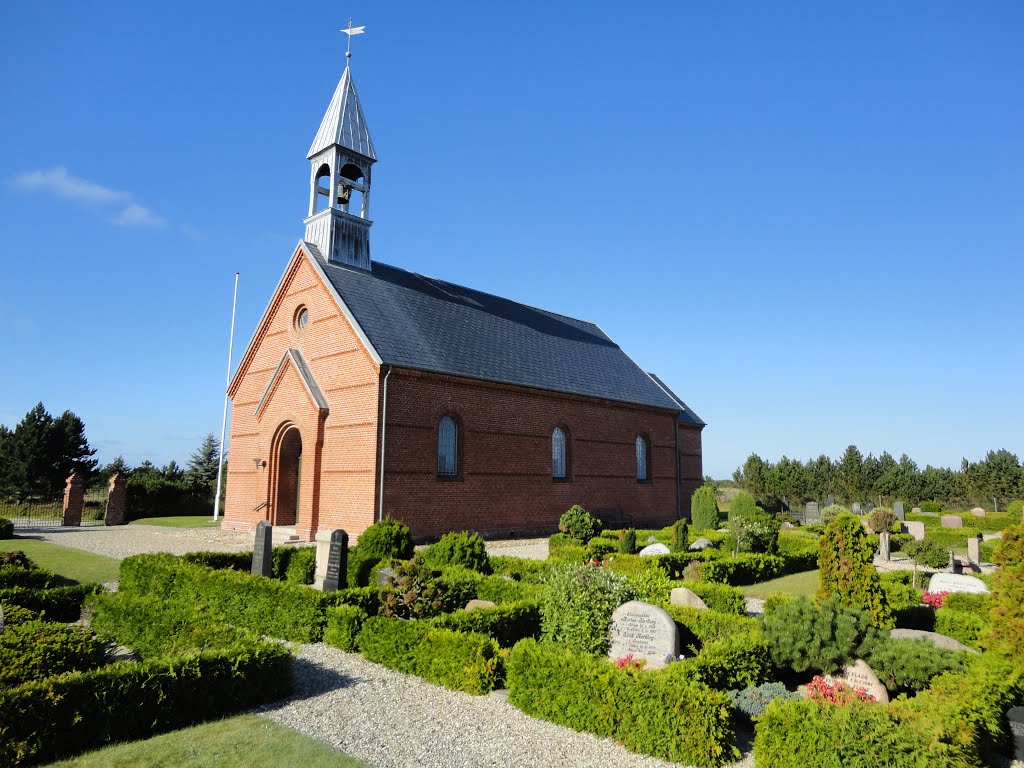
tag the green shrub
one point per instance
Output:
(15, 614)
(927, 553)
(900, 596)
(557, 541)
(931, 507)
(979, 604)
(578, 524)
(30, 578)
(499, 590)
(652, 712)
(1007, 612)
(651, 585)
(6, 528)
(731, 662)
(465, 549)
(803, 636)
(233, 561)
(301, 568)
(344, 622)
(745, 568)
(519, 568)
(964, 626)
(71, 713)
(506, 624)
(910, 665)
(598, 548)
(15, 558)
(680, 540)
(756, 532)
(627, 542)
(848, 572)
(704, 509)
(388, 538)
(1010, 551)
(415, 591)
(697, 626)
(718, 597)
(1015, 508)
(750, 702)
(577, 605)
(57, 604)
(776, 600)
(360, 567)
(951, 538)
(881, 519)
(743, 505)
(462, 661)
(831, 512)
(32, 650)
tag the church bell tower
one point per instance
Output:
(340, 158)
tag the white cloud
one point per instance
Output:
(58, 181)
(140, 217)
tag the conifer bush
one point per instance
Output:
(680, 536)
(847, 570)
(910, 665)
(577, 605)
(756, 531)
(415, 591)
(704, 508)
(831, 512)
(881, 519)
(1007, 615)
(803, 636)
(388, 538)
(578, 524)
(465, 549)
(627, 541)
(743, 505)
(1015, 508)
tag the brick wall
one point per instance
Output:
(691, 465)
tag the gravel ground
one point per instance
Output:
(126, 540)
(392, 720)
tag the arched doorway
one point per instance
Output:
(289, 475)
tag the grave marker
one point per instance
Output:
(978, 512)
(811, 512)
(262, 563)
(829, 501)
(861, 677)
(472, 605)
(644, 631)
(939, 641)
(336, 575)
(686, 598)
(915, 511)
(974, 550)
(897, 509)
(1016, 718)
(855, 508)
(952, 521)
(651, 550)
(915, 529)
(955, 582)
(884, 546)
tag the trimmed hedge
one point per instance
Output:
(71, 713)
(344, 623)
(650, 712)
(31, 578)
(288, 563)
(964, 626)
(57, 604)
(518, 568)
(731, 651)
(34, 649)
(462, 661)
(718, 597)
(507, 624)
(6, 528)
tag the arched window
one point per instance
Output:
(641, 458)
(558, 456)
(447, 447)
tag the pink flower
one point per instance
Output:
(934, 599)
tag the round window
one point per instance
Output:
(302, 318)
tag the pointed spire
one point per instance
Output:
(344, 123)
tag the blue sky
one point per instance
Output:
(807, 217)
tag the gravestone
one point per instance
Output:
(884, 546)
(811, 512)
(331, 560)
(262, 562)
(384, 575)
(1016, 718)
(914, 528)
(952, 521)
(651, 540)
(829, 501)
(974, 550)
(644, 631)
(939, 641)
(915, 511)
(686, 598)
(955, 582)
(855, 508)
(472, 605)
(897, 509)
(954, 564)
(861, 677)
(701, 543)
(652, 550)
(869, 508)
(978, 512)
(787, 524)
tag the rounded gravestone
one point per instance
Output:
(643, 631)
(939, 641)
(861, 677)
(701, 543)
(472, 605)
(957, 582)
(652, 550)
(978, 512)
(687, 599)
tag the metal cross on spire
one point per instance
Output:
(350, 30)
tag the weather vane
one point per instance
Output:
(350, 30)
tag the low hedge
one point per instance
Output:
(288, 563)
(964, 626)
(951, 538)
(15, 614)
(6, 528)
(518, 568)
(745, 568)
(507, 624)
(498, 589)
(650, 712)
(34, 649)
(344, 622)
(31, 578)
(729, 651)
(718, 597)
(462, 661)
(71, 713)
(56, 604)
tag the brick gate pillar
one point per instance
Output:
(117, 494)
(74, 500)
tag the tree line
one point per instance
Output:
(997, 479)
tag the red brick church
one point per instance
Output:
(368, 391)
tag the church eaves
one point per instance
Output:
(344, 123)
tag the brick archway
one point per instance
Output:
(287, 476)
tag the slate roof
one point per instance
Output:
(686, 414)
(344, 123)
(427, 324)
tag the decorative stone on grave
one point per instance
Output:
(686, 598)
(262, 555)
(978, 512)
(861, 677)
(939, 641)
(701, 543)
(644, 631)
(952, 521)
(974, 550)
(472, 605)
(914, 528)
(652, 550)
(884, 546)
(651, 540)
(897, 509)
(787, 524)
(956, 582)
(117, 495)
(915, 511)
(331, 572)
(1016, 719)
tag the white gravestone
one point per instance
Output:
(686, 598)
(974, 550)
(915, 529)
(951, 521)
(957, 582)
(644, 631)
(654, 549)
(978, 512)
(861, 677)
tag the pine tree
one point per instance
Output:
(847, 570)
(37, 456)
(202, 465)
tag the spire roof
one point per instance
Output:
(344, 123)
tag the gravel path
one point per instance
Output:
(126, 540)
(392, 720)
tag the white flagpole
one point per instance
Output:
(224, 420)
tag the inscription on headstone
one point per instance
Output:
(952, 521)
(861, 677)
(644, 631)
(1016, 718)
(262, 564)
(954, 582)
(897, 509)
(915, 529)
(336, 576)
(811, 512)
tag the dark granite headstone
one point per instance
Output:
(830, 500)
(262, 562)
(1016, 718)
(897, 509)
(337, 562)
(870, 507)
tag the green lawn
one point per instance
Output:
(805, 584)
(236, 741)
(187, 521)
(65, 561)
